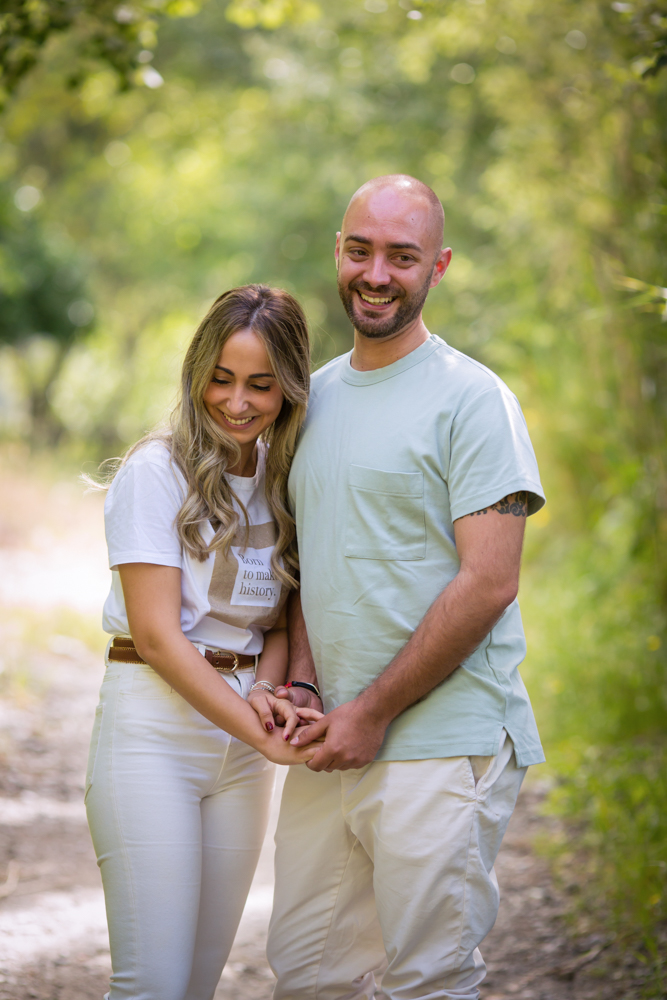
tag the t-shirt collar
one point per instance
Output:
(354, 377)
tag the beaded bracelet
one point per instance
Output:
(263, 686)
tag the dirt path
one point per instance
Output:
(53, 940)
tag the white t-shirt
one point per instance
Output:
(227, 602)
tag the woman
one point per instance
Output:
(202, 549)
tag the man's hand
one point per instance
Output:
(300, 697)
(352, 738)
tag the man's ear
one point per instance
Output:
(442, 262)
(337, 251)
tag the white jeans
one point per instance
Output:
(388, 870)
(177, 810)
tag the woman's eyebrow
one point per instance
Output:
(256, 375)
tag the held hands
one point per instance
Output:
(352, 738)
(280, 719)
(348, 737)
(276, 749)
(274, 711)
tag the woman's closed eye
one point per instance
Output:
(226, 381)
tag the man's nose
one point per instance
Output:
(377, 272)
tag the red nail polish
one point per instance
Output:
(269, 727)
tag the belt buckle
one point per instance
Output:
(226, 652)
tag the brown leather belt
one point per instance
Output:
(123, 651)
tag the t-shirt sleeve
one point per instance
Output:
(140, 512)
(491, 454)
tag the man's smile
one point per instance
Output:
(377, 303)
(375, 300)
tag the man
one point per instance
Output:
(410, 487)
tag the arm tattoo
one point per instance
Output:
(513, 503)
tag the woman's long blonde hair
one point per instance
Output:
(200, 448)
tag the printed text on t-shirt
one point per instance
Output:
(255, 584)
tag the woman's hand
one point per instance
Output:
(277, 750)
(274, 711)
(262, 702)
(280, 712)
(289, 717)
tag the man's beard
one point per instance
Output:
(409, 308)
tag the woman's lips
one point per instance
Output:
(239, 424)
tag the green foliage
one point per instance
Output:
(272, 14)
(542, 128)
(44, 308)
(618, 795)
(107, 31)
(644, 22)
(119, 36)
(597, 674)
(39, 285)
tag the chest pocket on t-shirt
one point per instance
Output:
(385, 518)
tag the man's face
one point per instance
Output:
(387, 261)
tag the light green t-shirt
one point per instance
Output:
(387, 461)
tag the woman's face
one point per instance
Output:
(243, 396)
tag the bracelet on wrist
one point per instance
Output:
(263, 686)
(304, 684)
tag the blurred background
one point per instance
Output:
(156, 152)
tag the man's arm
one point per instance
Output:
(301, 666)
(489, 544)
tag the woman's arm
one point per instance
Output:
(272, 667)
(153, 602)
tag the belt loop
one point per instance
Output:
(106, 651)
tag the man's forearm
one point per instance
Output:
(301, 665)
(462, 616)
(457, 622)
(453, 627)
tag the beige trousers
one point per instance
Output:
(388, 871)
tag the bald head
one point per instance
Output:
(389, 255)
(393, 193)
